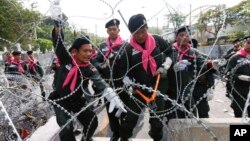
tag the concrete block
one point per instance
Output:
(209, 129)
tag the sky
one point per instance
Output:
(93, 14)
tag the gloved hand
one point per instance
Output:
(161, 71)
(181, 65)
(127, 82)
(104, 64)
(210, 94)
(167, 63)
(115, 102)
(244, 78)
(55, 10)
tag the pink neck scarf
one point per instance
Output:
(20, 66)
(93, 55)
(183, 52)
(242, 52)
(118, 41)
(73, 75)
(146, 53)
(32, 63)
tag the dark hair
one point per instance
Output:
(16, 52)
(182, 29)
(137, 22)
(79, 42)
(112, 22)
(29, 52)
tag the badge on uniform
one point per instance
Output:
(68, 67)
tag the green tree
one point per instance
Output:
(16, 22)
(215, 17)
(176, 19)
(43, 44)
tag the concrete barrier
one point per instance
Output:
(215, 129)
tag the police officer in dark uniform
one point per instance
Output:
(69, 89)
(187, 62)
(239, 78)
(106, 62)
(144, 61)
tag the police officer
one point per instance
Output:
(74, 75)
(144, 61)
(106, 62)
(187, 62)
(239, 78)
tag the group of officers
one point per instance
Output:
(144, 72)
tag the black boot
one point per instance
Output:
(125, 139)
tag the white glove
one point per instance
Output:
(127, 82)
(210, 94)
(104, 64)
(162, 71)
(115, 102)
(167, 63)
(181, 65)
(218, 63)
(244, 77)
(55, 10)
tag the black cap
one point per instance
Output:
(29, 52)
(16, 52)
(113, 22)
(183, 29)
(78, 42)
(137, 22)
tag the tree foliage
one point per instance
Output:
(16, 22)
(215, 17)
(176, 19)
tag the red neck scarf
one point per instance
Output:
(32, 63)
(73, 74)
(242, 52)
(146, 53)
(20, 65)
(183, 52)
(118, 41)
(57, 61)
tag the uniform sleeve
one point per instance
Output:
(125, 62)
(98, 81)
(165, 46)
(230, 66)
(99, 58)
(60, 49)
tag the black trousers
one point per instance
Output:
(131, 119)
(87, 118)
